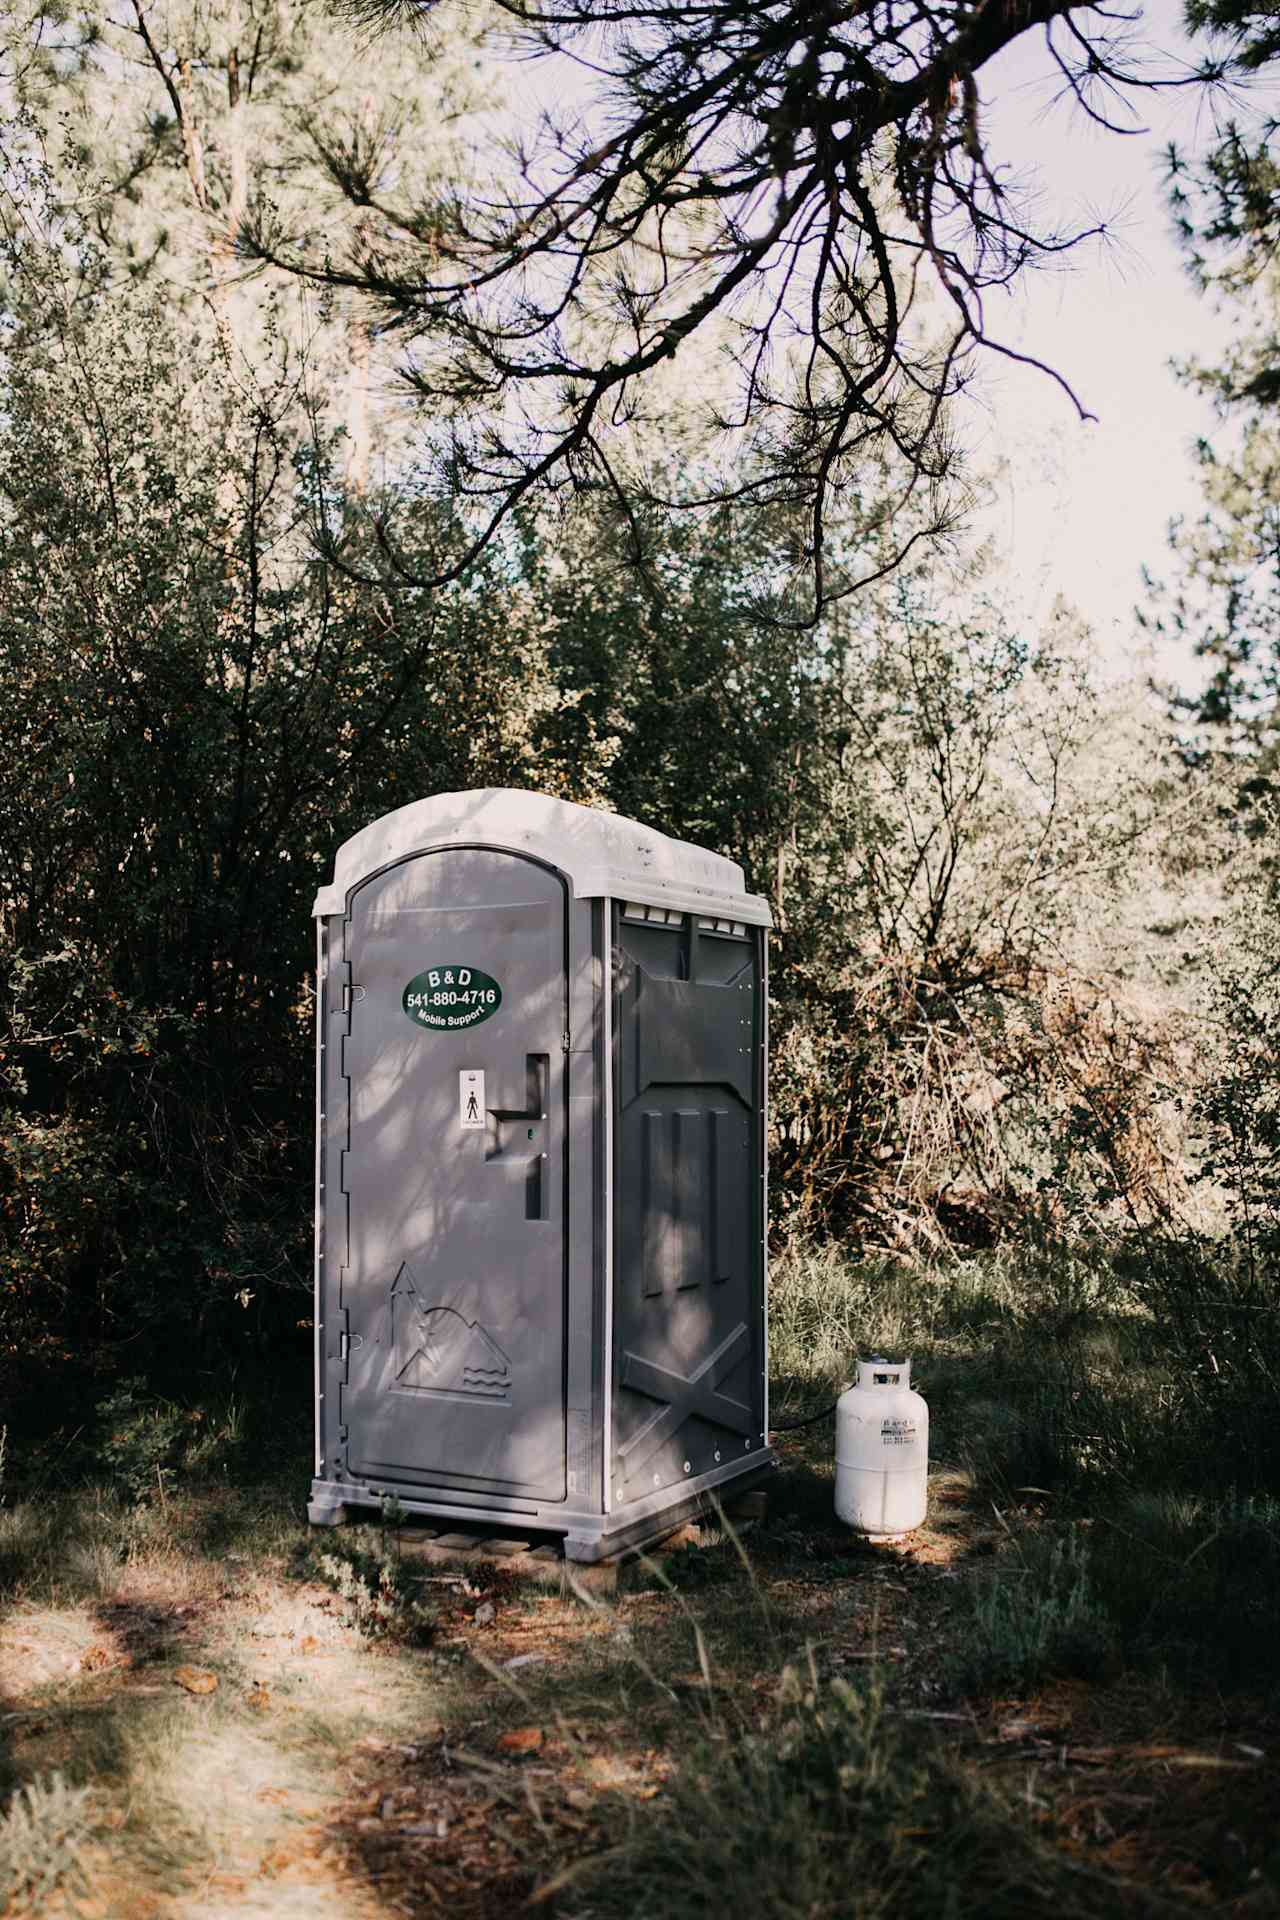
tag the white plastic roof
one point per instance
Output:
(599, 853)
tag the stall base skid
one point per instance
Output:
(588, 1537)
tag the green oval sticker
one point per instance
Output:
(450, 998)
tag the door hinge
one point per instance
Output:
(566, 1041)
(344, 1345)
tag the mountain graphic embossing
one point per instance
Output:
(437, 1350)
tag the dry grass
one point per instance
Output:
(322, 1773)
(214, 1801)
(231, 1742)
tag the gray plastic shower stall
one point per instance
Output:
(540, 1172)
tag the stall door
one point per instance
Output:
(454, 1175)
(688, 1349)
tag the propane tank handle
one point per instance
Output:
(879, 1372)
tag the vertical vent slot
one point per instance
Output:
(536, 1189)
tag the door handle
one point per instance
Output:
(537, 1069)
(537, 1189)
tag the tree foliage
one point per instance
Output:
(1225, 600)
(801, 202)
(197, 711)
(174, 120)
(980, 859)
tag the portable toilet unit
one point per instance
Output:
(540, 1181)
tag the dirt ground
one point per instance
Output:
(252, 1749)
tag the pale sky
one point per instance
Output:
(1085, 505)
(1080, 508)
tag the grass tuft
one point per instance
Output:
(43, 1830)
(381, 1595)
(1036, 1614)
(1194, 1580)
(833, 1809)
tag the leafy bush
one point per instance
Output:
(141, 1437)
(145, 1200)
(146, 1442)
(197, 711)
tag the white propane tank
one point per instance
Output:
(882, 1450)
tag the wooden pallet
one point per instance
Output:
(545, 1564)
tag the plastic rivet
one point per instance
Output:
(747, 1445)
(717, 1453)
(688, 1467)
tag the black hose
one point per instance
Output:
(810, 1420)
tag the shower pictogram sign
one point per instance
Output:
(471, 1099)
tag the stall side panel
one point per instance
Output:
(688, 1347)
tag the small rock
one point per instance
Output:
(485, 1614)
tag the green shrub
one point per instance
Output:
(141, 1438)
